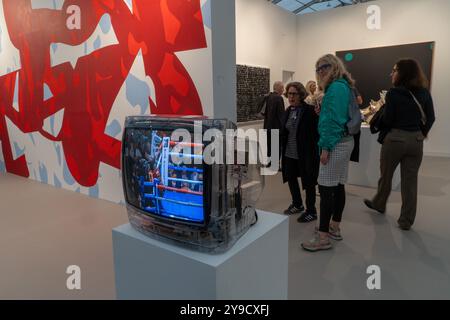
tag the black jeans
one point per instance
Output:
(294, 187)
(332, 203)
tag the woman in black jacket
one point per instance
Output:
(408, 117)
(300, 152)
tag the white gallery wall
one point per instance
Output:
(266, 36)
(402, 22)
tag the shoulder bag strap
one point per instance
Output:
(422, 113)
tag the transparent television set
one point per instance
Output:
(173, 194)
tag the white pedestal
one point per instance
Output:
(255, 268)
(367, 172)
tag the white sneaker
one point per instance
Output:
(335, 234)
(317, 244)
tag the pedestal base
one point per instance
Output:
(256, 267)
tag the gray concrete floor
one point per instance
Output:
(43, 230)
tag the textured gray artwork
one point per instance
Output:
(252, 83)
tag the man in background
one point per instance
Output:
(273, 112)
(355, 153)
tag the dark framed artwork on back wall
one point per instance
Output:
(252, 83)
(371, 67)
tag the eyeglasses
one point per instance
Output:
(323, 67)
(292, 94)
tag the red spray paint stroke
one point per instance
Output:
(87, 92)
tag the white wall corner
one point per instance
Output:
(223, 20)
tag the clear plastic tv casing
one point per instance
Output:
(229, 192)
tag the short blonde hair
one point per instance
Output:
(338, 71)
(309, 85)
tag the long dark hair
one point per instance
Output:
(410, 75)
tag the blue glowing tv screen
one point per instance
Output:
(155, 184)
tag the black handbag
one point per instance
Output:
(376, 121)
(376, 125)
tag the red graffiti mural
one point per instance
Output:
(157, 28)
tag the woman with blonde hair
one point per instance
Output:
(335, 145)
(315, 95)
(311, 88)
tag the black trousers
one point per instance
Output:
(269, 143)
(332, 203)
(355, 153)
(294, 188)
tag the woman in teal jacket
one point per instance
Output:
(335, 149)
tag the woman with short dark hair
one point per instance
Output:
(408, 117)
(300, 155)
